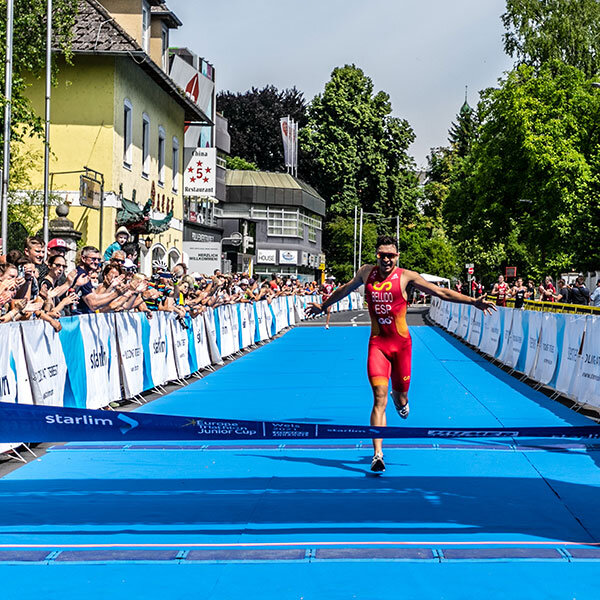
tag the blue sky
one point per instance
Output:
(421, 52)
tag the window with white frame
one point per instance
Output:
(145, 145)
(164, 38)
(145, 26)
(161, 156)
(127, 119)
(175, 168)
(286, 222)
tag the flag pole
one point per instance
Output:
(7, 120)
(47, 132)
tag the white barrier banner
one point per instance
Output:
(465, 321)
(547, 358)
(280, 320)
(201, 342)
(247, 319)
(446, 319)
(534, 328)
(102, 372)
(211, 335)
(289, 300)
(492, 331)
(262, 327)
(181, 344)
(506, 317)
(131, 350)
(235, 325)
(299, 308)
(586, 389)
(515, 340)
(269, 317)
(45, 362)
(454, 320)
(225, 331)
(14, 379)
(160, 352)
(475, 327)
(574, 327)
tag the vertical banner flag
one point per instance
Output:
(286, 137)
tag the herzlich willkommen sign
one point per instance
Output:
(200, 177)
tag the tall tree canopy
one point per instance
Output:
(358, 151)
(539, 31)
(253, 118)
(528, 193)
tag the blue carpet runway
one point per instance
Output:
(308, 520)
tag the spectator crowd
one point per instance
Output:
(35, 284)
(574, 293)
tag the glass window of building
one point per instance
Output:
(127, 112)
(161, 156)
(164, 37)
(175, 164)
(145, 145)
(145, 26)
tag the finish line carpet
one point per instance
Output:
(449, 519)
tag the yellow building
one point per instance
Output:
(116, 111)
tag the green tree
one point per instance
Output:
(29, 56)
(539, 31)
(358, 151)
(240, 164)
(340, 232)
(253, 118)
(527, 194)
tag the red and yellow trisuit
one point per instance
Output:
(390, 346)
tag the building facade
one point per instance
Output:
(118, 118)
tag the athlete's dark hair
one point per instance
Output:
(386, 240)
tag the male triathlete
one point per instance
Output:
(500, 290)
(327, 291)
(390, 343)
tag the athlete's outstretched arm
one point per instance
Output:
(445, 293)
(341, 292)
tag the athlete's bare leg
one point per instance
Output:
(328, 317)
(400, 398)
(378, 418)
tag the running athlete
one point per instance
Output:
(390, 344)
(500, 291)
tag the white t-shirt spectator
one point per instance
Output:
(595, 297)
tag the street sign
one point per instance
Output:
(90, 191)
(469, 266)
(471, 270)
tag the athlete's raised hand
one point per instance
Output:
(487, 307)
(313, 309)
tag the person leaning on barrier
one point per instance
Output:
(595, 296)
(564, 293)
(89, 299)
(579, 292)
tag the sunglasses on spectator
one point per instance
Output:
(389, 255)
(119, 260)
(93, 258)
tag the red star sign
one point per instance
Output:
(207, 169)
(199, 163)
(206, 180)
(192, 179)
(190, 170)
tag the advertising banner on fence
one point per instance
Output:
(228, 346)
(102, 372)
(455, 310)
(548, 355)
(131, 350)
(534, 328)
(246, 322)
(465, 320)
(45, 362)
(515, 341)
(14, 379)
(262, 317)
(587, 387)
(475, 327)
(211, 335)
(490, 338)
(161, 363)
(201, 343)
(574, 327)
(506, 317)
(180, 347)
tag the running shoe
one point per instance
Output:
(377, 464)
(326, 326)
(402, 409)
